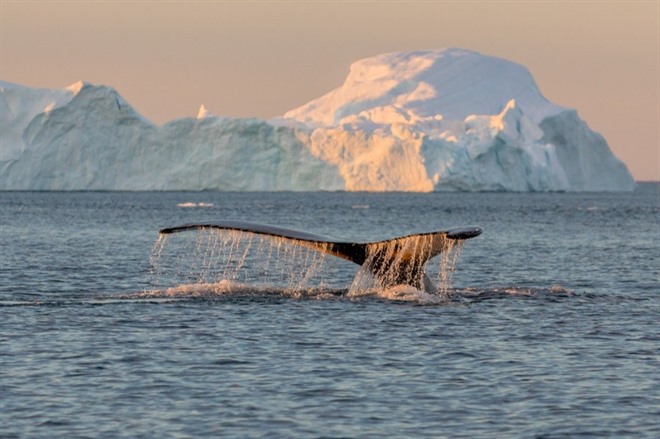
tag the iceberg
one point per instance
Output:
(97, 141)
(434, 120)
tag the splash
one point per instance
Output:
(406, 262)
(240, 257)
(225, 288)
(448, 260)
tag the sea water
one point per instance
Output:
(547, 325)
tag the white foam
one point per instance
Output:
(409, 294)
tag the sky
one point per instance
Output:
(263, 58)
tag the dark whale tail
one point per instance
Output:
(397, 261)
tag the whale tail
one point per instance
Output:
(397, 261)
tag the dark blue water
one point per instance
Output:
(550, 328)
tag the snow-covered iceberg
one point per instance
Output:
(411, 121)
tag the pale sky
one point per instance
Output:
(261, 59)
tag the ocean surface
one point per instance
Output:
(547, 325)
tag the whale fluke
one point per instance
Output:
(396, 261)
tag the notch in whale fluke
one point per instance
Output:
(396, 261)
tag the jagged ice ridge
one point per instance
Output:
(409, 121)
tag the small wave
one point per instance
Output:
(399, 293)
(194, 290)
(229, 288)
(558, 289)
(21, 302)
(404, 293)
(226, 288)
(192, 205)
(478, 294)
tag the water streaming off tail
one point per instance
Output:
(409, 261)
(220, 257)
(445, 269)
(212, 256)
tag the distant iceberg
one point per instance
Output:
(409, 121)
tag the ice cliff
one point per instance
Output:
(413, 121)
(94, 140)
